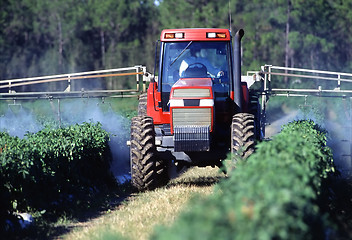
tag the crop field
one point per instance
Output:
(73, 167)
(289, 189)
(139, 214)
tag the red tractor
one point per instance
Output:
(196, 111)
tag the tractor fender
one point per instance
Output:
(245, 97)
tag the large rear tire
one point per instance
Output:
(147, 170)
(242, 135)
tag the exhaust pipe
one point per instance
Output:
(237, 71)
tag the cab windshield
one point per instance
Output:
(196, 60)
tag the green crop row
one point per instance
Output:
(50, 168)
(272, 195)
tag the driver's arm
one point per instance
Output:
(213, 71)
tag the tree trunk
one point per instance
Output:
(287, 42)
(60, 85)
(61, 42)
(102, 47)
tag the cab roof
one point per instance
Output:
(195, 34)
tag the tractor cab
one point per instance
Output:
(195, 59)
(197, 110)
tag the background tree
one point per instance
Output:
(40, 37)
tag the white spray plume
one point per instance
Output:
(337, 122)
(17, 121)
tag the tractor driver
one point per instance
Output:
(195, 60)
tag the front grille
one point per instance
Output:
(191, 116)
(191, 138)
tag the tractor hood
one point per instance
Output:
(192, 88)
(192, 104)
(193, 82)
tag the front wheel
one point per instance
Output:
(142, 104)
(242, 135)
(147, 170)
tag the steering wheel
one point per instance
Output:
(197, 65)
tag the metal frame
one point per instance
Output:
(118, 72)
(265, 76)
(339, 77)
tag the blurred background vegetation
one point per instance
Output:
(41, 37)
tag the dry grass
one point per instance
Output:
(139, 214)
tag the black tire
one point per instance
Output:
(147, 170)
(142, 105)
(242, 135)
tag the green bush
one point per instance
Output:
(273, 195)
(45, 169)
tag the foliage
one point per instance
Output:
(47, 37)
(273, 195)
(51, 168)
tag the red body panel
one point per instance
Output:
(232, 95)
(195, 34)
(153, 109)
(161, 117)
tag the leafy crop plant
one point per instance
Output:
(272, 195)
